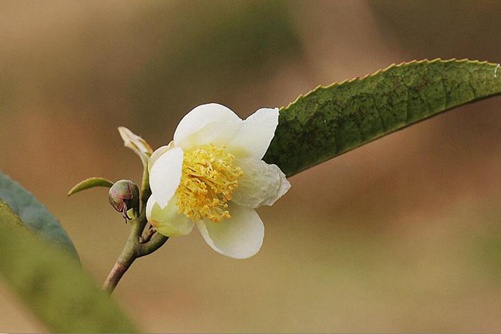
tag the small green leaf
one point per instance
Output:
(52, 283)
(33, 214)
(330, 121)
(91, 182)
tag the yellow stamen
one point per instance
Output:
(208, 180)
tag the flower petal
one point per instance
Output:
(158, 152)
(200, 117)
(165, 175)
(261, 184)
(256, 134)
(216, 133)
(239, 237)
(167, 221)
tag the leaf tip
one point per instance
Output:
(90, 183)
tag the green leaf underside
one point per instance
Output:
(52, 282)
(330, 121)
(90, 183)
(34, 214)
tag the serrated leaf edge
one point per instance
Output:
(436, 60)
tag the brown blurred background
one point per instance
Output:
(401, 235)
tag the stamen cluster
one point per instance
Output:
(209, 177)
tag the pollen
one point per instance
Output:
(209, 177)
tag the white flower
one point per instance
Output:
(212, 176)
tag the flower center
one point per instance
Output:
(208, 180)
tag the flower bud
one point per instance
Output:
(124, 197)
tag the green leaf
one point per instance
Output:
(333, 120)
(90, 183)
(34, 214)
(52, 283)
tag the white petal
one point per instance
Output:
(256, 134)
(158, 152)
(216, 133)
(167, 221)
(165, 175)
(202, 116)
(261, 184)
(239, 237)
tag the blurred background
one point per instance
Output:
(401, 235)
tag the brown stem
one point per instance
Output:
(114, 276)
(133, 249)
(137, 245)
(128, 255)
(146, 236)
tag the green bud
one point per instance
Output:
(124, 197)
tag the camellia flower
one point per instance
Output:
(212, 176)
